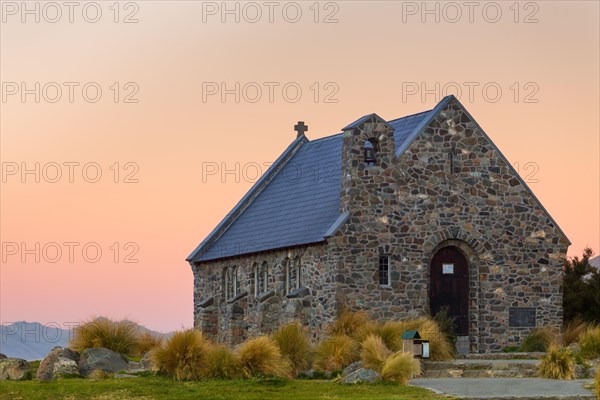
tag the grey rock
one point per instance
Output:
(361, 375)
(14, 369)
(60, 362)
(351, 368)
(2, 356)
(101, 359)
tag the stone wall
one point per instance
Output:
(247, 314)
(429, 199)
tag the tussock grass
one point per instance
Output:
(147, 341)
(261, 357)
(183, 356)
(294, 345)
(350, 323)
(374, 353)
(400, 367)
(589, 342)
(221, 363)
(539, 339)
(336, 352)
(558, 363)
(391, 333)
(572, 331)
(102, 332)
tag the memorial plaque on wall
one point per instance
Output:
(521, 317)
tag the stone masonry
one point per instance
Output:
(449, 187)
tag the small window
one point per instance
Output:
(256, 275)
(370, 150)
(232, 282)
(384, 270)
(263, 280)
(292, 274)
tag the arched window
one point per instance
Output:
(293, 274)
(227, 283)
(264, 277)
(236, 281)
(370, 149)
(256, 278)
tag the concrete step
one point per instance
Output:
(503, 356)
(480, 369)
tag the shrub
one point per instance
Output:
(589, 342)
(374, 353)
(146, 342)
(349, 323)
(336, 352)
(294, 345)
(539, 339)
(446, 324)
(102, 332)
(261, 357)
(221, 363)
(183, 356)
(573, 330)
(558, 364)
(400, 367)
(391, 333)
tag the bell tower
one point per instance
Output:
(368, 152)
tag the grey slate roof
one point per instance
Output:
(297, 201)
(300, 205)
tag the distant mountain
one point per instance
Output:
(33, 341)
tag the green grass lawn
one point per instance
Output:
(157, 387)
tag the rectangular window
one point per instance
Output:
(384, 270)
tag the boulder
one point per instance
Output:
(14, 369)
(351, 368)
(59, 363)
(361, 375)
(2, 356)
(101, 359)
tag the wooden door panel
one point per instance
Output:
(449, 286)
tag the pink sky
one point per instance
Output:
(532, 70)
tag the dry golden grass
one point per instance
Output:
(349, 323)
(573, 330)
(102, 332)
(294, 345)
(391, 333)
(558, 364)
(221, 363)
(400, 367)
(261, 357)
(374, 353)
(336, 352)
(439, 346)
(589, 342)
(147, 341)
(183, 356)
(539, 339)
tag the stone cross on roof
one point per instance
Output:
(300, 128)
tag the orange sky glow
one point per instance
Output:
(129, 129)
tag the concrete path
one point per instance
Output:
(508, 388)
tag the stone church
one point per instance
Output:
(399, 218)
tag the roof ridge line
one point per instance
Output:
(249, 197)
(409, 115)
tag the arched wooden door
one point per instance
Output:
(449, 287)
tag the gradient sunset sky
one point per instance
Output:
(196, 100)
